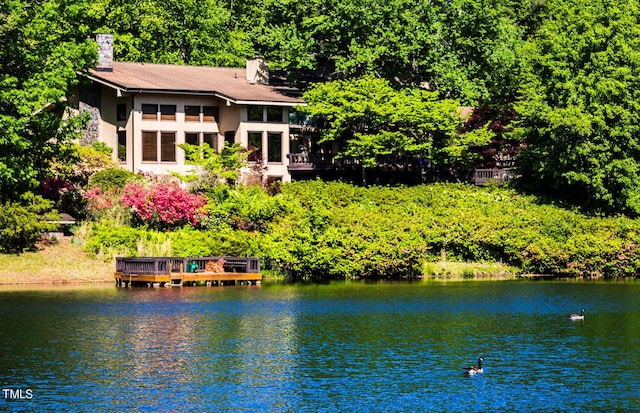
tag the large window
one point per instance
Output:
(192, 138)
(192, 113)
(229, 137)
(209, 113)
(167, 147)
(149, 146)
(254, 114)
(149, 111)
(274, 147)
(274, 114)
(121, 112)
(122, 146)
(210, 139)
(255, 144)
(165, 141)
(167, 112)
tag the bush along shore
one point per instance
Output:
(315, 230)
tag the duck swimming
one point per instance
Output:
(470, 371)
(577, 316)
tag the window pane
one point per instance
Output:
(149, 146)
(210, 139)
(254, 114)
(167, 147)
(121, 112)
(122, 146)
(149, 111)
(274, 147)
(167, 112)
(191, 138)
(229, 137)
(192, 113)
(210, 113)
(255, 145)
(274, 115)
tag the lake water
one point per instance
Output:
(338, 347)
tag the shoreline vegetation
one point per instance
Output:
(318, 231)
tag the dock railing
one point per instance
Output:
(164, 265)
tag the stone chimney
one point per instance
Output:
(105, 52)
(257, 71)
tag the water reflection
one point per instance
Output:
(336, 347)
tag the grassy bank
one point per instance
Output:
(63, 262)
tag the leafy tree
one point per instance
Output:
(213, 168)
(464, 49)
(371, 119)
(40, 57)
(196, 32)
(580, 105)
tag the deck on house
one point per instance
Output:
(168, 271)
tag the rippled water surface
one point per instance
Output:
(335, 347)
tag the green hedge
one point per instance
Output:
(316, 230)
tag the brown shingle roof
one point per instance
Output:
(225, 82)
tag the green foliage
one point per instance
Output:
(177, 32)
(371, 120)
(23, 223)
(580, 105)
(334, 230)
(246, 208)
(111, 179)
(213, 168)
(341, 231)
(40, 57)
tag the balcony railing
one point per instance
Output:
(492, 176)
(328, 162)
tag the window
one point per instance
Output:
(121, 112)
(167, 147)
(254, 114)
(229, 137)
(274, 114)
(274, 147)
(167, 112)
(122, 146)
(149, 111)
(255, 144)
(210, 113)
(192, 113)
(210, 139)
(192, 138)
(167, 142)
(149, 146)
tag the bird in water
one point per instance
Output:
(470, 371)
(577, 316)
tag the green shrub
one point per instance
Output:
(111, 179)
(23, 223)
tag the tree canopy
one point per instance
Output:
(566, 70)
(580, 109)
(39, 56)
(370, 119)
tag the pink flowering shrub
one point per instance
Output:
(163, 206)
(97, 200)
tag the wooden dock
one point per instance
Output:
(168, 271)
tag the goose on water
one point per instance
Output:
(577, 316)
(470, 371)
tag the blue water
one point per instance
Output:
(370, 347)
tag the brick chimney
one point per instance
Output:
(257, 71)
(105, 52)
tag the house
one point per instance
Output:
(143, 111)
